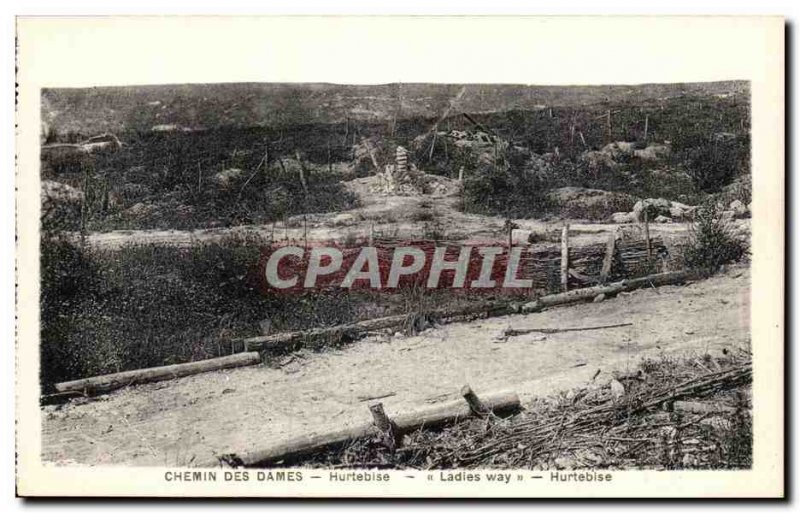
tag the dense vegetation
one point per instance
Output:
(138, 306)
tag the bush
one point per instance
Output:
(712, 242)
(510, 192)
(713, 163)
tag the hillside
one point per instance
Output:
(139, 108)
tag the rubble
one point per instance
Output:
(662, 207)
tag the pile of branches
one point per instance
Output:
(670, 414)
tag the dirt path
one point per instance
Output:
(195, 418)
(392, 215)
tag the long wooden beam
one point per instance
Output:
(430, 417)
(108, 382)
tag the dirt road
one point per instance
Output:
(193, 419)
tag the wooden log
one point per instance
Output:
(565, 258)
(589, 293)
(58, 397)
(310, 338)
(108, 382)
(433, 416)
(701, 408)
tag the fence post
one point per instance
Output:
(475, 404)
(387, 428)
(608, 260)
(565, 258)
(647, 236)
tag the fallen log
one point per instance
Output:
(338, 334)
(108, 382)
(701, 408)
(578, 295)
(501, 403)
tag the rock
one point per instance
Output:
(597, 160)
(533, 306)
(617, 389)
(681, 212)
(565, 463)
(655, 207)
(165, 128)
(662, 219)
(717, 422)
(57, 192)
(584, 203)
(227, 177)
(265, 326)
(599, 298)
(623, 217)
(728, 215)
(619, 149)
(662, 207)
(653, 152)
(739, 209)
(343, 219)
(140, 209)
(104, 143)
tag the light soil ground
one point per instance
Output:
(193, 419)
(379, 214)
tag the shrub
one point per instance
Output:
(712, 242)
(713, 163)
(510, 192)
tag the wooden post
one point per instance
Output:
(565, 258)
(387, 428)
(330, 165)
(646, 123)
(475, 404)
(608, 260)
(433, 144)
(367, 144)
(305, 231)
(302, 172)
(647, 236)
(461, 174)
(608, 124)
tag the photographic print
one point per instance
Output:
(478, 287)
